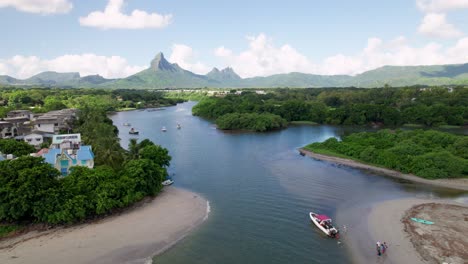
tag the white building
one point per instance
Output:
(34, 139)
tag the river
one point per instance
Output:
(261, 190)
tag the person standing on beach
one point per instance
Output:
(384, 247)
(379, 248)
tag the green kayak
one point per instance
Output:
(422, 221)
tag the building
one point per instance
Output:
(66, 152)
(55, 121)
(8, 130)
(20, 113)
(34, 139)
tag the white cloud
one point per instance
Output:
(86, 64)
(39, 6)
(436, 25)
(263, 58)
(184, 56)
(112, 17)
(441, 5)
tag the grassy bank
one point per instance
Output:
(5, 230)
(427, 154)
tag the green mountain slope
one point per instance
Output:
(163, 74)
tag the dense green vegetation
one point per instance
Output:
(386, 106)
(428, 154)
(17, 148)
(250, 121)
(8, 229)
(47, 99)
(33, 191)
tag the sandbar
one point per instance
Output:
(134, 236)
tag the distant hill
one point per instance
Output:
(163, 74)
(57, 79)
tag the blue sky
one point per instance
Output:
(254, 37)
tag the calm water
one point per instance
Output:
(261, 190)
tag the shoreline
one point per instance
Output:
(134, 236)
(388, 221)
(458, 184)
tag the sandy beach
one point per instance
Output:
(131, 237)
(411, 242)
(459, 184)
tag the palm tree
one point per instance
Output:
(133, 148)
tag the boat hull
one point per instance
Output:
(323, 229)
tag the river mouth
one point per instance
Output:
(261, 190)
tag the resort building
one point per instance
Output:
(66, 152)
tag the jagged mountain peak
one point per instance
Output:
(224, 74)
(159, 63)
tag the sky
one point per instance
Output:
(117, 38)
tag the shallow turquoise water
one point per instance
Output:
(260, 189)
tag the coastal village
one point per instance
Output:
(47, 133)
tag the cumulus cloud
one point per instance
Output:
(113, 18)
(263, 58)
(39, 6)
(441, 5)
(436, 25)
(184, 56)
(86, 64)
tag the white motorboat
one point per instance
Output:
(324, 223)
(178, 126)
(127, 124)
(163, 129)
(167, 182)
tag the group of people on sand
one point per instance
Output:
(381, 248)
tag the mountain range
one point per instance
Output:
(163, 74)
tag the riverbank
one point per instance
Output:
(131, 237)
(459, 184)
(411, 242)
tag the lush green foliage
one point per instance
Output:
(250, 121)
(47, 99)
(429, 154)
(7, 229)
(349, 106)
(17, 148)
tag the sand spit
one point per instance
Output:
(132, 237)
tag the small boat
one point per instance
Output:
(178, 126)
(163, 129)
(167, 182)
(133, 131)
(127, 124)
(324, 223)
(422, 221)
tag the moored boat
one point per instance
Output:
(163, 129)
(126, 124)
(178, 126)
(167, 182)
(133, 131)
(324, 223)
